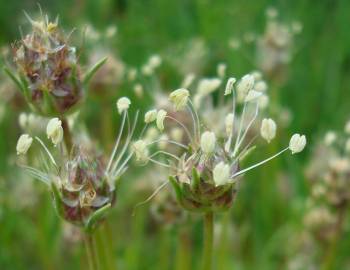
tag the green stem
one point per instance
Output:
(224, 240)
(207, 259)
(90, 251)
(67, 135)
(110, 243)
(103, 249)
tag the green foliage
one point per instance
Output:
(268, 209)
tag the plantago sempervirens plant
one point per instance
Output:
(205, 176)
(48, 73)
(328, 204)
(82, 181)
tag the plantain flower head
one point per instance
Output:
(206, 167)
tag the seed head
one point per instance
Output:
(47, 65)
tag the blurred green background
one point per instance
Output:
(270, 204)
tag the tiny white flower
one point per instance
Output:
(147, 70)
(140, 150)
(221, 70)
(123, 104)
(160, 119)
(268, 129)
(221, 174)
(257, 75)
(271, 12)
(229, 86)
(245, 84)
(34, 122)
(188, 80)
(252, 95)
(234, 43)
(229, 124)
(155, 61)
(177, 134)
(132, 74)
(138, 90)
(297, 143)
(151, 134)
(23, 144)
(54, 130)
(207, 86)
(179, 98)
(23, 121)
(263, 101)
(340, 165)
(260, 86)
(150, 116)
(330, 138)
(208, 142)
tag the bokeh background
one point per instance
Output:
(258, 232)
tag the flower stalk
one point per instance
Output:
(207, 260)
(90, 251)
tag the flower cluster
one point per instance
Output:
(204, 176)
(329, 173)
(48, 73)
(274, 47)
(82, 182)
(328, 202)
